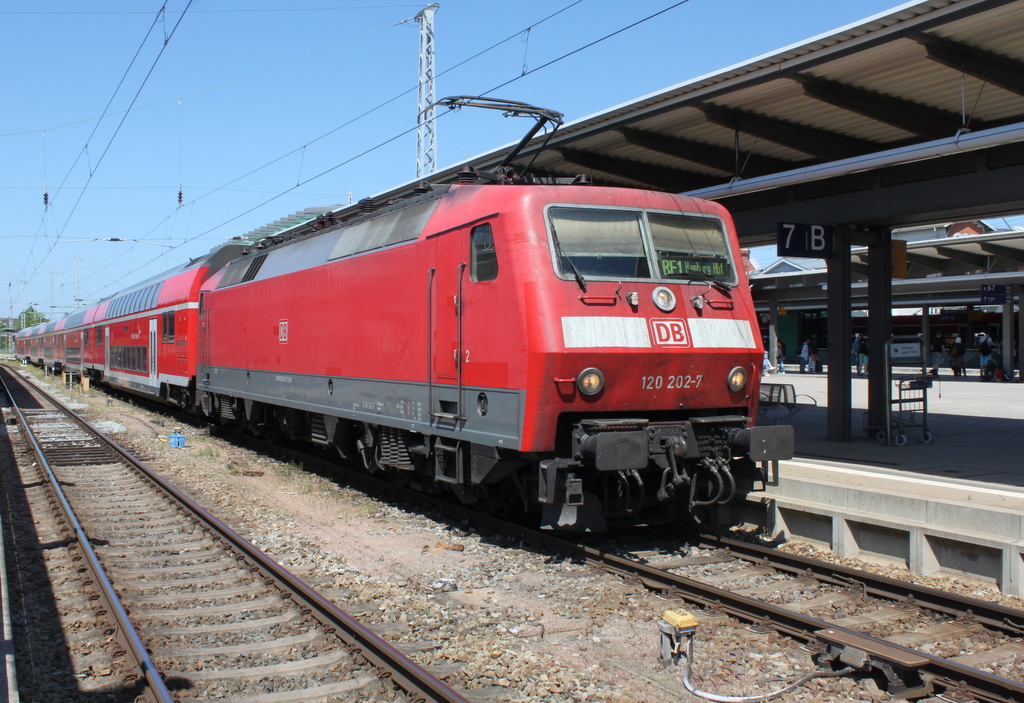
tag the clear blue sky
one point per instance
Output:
(237, 106)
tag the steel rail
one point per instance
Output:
(991, 615)
(947, 674)
(405, 673)
(155, 690)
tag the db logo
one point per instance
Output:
(282, 331)
(670, 332)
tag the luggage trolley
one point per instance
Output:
(908, 394)
(910, 408)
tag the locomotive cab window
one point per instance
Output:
(632, 244)
(599, 243)
(690, 247)
(483, 257)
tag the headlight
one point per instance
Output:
(590, 381)
(664, 299)
(737, 379)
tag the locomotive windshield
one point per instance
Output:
(603, 243)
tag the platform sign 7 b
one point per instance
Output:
(806, 241)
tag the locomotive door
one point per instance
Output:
(446, 309)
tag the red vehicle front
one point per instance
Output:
(643, 361)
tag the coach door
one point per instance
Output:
(445, 314)
(203, 350)
(152, 352)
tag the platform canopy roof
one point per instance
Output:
(941, 271)
(914, 115)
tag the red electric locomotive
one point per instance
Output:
(588, 351)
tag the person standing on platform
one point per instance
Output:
(805, 355)
(956, 357)
(862, 354)
(780, 355)
(855, 350)
(815, 361)
(984, 352)
(935, 347)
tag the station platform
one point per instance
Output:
(955, 504)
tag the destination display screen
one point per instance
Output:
(679, 265)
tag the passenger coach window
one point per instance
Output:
(168, 325)
(483, 258)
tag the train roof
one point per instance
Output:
(146, 294)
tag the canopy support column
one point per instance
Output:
(840, 397)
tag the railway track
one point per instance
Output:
(198, 612)
(914, 640)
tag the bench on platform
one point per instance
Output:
(780, 402)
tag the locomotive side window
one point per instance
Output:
(690, 247)
(602, 243)
(483, 261)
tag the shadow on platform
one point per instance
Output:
(977, 429)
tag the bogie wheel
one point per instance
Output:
(926, 437)
(901, 439)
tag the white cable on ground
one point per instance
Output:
(677, 632)
(764, 696)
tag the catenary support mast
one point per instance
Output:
(426, 138)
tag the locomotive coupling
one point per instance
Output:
(611, 445)
(764, 442)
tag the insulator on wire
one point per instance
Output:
(180, 194)
(46, 199)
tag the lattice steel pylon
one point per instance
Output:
(426, 135)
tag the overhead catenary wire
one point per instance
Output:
(300, 182)
(181, 158)
(221, 84)
(120, 124)
(46, 188)
(336, 129)
(247, 10)
(323, 136)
